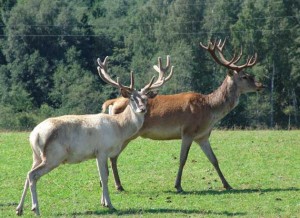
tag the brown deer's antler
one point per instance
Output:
(212, 47)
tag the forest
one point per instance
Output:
(48, 54)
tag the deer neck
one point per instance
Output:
(130, 121)
(225, 98)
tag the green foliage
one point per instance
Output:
(262, 166)
(48, 52)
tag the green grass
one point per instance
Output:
(263, 167)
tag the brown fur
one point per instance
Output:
(189, 116)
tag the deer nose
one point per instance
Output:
(260, 87)
(141, 109)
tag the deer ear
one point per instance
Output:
(230, 72)
(151, 94)
(125, 93)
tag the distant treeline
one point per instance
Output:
(48, 53)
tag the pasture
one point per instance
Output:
(263, 167)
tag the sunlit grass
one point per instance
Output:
(263, 167)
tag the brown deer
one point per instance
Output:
(191, 116)
(76, 138)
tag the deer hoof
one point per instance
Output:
(120, 189)
(19, 211)
(179, 189)
(228, 187)
(35, 210)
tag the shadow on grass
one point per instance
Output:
(152, 211)
(237, 191)
(8, 204)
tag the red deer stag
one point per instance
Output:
(75, 138)
(191, 116)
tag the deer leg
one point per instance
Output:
(114, 167)
(103, 173)
(185, 147)
(33, 177)
(19, 210)
(206, 148)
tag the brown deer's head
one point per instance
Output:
(244, 81)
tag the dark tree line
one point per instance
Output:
(48, 54)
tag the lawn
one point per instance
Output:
(263, 167)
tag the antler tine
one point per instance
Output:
(168, 62)
(251, 61)
(104, 63)
(233, 60)
(221, 46)
(158, 68)
(147, 87)
(239, 57)
(170, 74)
(159, 83)
(203, 46)
(254, 59)
(213, 45)
(131, 80)
(210, 45)
(220, 59)
(102, 71)
(130, 88)
(161, 78)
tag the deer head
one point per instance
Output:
(138, 99)
(244, 81)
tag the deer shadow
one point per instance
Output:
(134, 211)
(237, 191)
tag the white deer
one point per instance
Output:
(75, 138)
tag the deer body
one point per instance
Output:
(76, 138)
(189, 113)
(72, 139)
(191, 116)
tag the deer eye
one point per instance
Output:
(244, 77)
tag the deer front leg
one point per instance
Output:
(206, 148)
(185, 147)
(103, 172)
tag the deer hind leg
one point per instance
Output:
(114, 167)
(185, 147)
(206, 148)
(103, 173)
(36, 161)
(33, 176)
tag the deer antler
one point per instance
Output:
(231, 64)
(161, 75)
(102, 70)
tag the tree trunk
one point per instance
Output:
(272, 96)
(295, 105)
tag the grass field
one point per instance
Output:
(263, 167)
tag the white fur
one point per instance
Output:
(75, 138)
